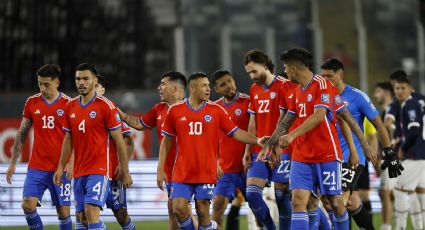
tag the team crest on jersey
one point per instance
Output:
(59, 112)
(309, 97)
(338, 100)
(325, 98)
(92, 114)
(117, 117)
(207, 118)
(272, 95)
(238, 112)
(412, 115)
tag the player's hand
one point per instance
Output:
(117, 172)
(353, 160)
(161, 177)
(57, 178)
(220, 172)
(263, 140)
(285, 140)
(370, 154)
(69, 171)
(10, 171)
(274, 157)
(126, 180)
(262, 155)
(392, 163)
(247, 162)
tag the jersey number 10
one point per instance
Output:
(195, 128)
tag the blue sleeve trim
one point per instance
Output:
(115, 128)
(66, 130)
(167, 134)
(250, 111)
(144, 125)
(126, 133)
(321, 106)
(232, 131)
(291, 112)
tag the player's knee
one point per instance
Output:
(180, 211)
(121, 215)
(81, 217)
(313, 203)
(218, 204)
(336, 203)
(298, 202)
(28, 206)
(63, 211)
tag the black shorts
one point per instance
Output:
(364, 182)
(350, 177)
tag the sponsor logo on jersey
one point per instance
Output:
(238, 112)
(72, 115)
(92, 114)
(117, 117)
(208, 118)
(272, 95)
(290, 96)
(332, 188)
(183, 119)
(95, 198)
(37, 111)
(59, 112)
(159, 118)
(338, 100)
(325, 98)
(256, 96)
(309, 97)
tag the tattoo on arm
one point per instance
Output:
(20, 138)
(282, 128)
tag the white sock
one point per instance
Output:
(386, 227)
(401, 206)
(421, 198)
(415, 211)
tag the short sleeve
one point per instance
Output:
(112, 117)
(226, 123)
(324, 95)
(392, 110)
(291, 104)
(340, 104)
(149, 119)
(169, 127)
(411, 115)
(283, 97)
(66, 125)
(125, 130)
(367, 107)
(27, 112)
(251, 106)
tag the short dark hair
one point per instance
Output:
(332, 64)
(299, 55)
(86, 66)
(403, 80)
(49, 70)
(397, 74)
(385, 85)
(219, 74)
(196, 75)
(101, 80)
(259, 57)
(175, 77)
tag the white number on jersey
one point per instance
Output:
(195, 128)
(328, 176)
(65, 190)
(48, 122)
(82, 126)
(348, 175)
(284, 166)
(302, 112)
(264, 106)
(96, 188)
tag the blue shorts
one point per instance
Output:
(37, 181)
(169, 187)
(262, 170)
(116, 198)
(90, 189)
(199, 191)
(309, 176)
(228, 183)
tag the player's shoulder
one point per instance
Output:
(215, 106)
(160, 105)
(357, 92)
(103, 101)
(34, 97)
(411, 103)
(322, 82)
(219, 101)
(244, 96)
(65, 97)
(178, 105)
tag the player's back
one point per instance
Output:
(197, 132)
(48, 136)
(231, 151)
(411, 115)
(320, 144)
(89, 125)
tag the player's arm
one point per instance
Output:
(124, 173)
(129, 144)
(346, 132)
(164, 149)
(383, 135)
(21, 136)
(411, 129)
(251, 129)
(132, 121)
(64, 158)
(370, 154)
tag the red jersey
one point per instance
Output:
(197, 133)
(231, 151)
(113, 152)
(89, 125)
(156, 117)
(320, 144)
(48, 136)
(265, 101)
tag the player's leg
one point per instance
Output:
(203, 195)
(80, 217)
(233, 215)
(34, 186)
(282, 192)
(258, 175)
(312, 209)
(363, 186)
(303, 178)
(61, 198)
(420, 191)
(329, 175)
(117, 202)
(181, 194)
(359, 212)
(96, 187)
(327, 206)
(223, 193)
(386, 193)
(324, 221)
(172, 221)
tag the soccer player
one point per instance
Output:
(196, 123)
(360, 106)
(171, 90)
(230, 151)
(116, 199)
(383, 95)
(89, 121)
(269, 95)
(411, 149)
(43, 112)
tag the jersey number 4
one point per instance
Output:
(82, 126)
